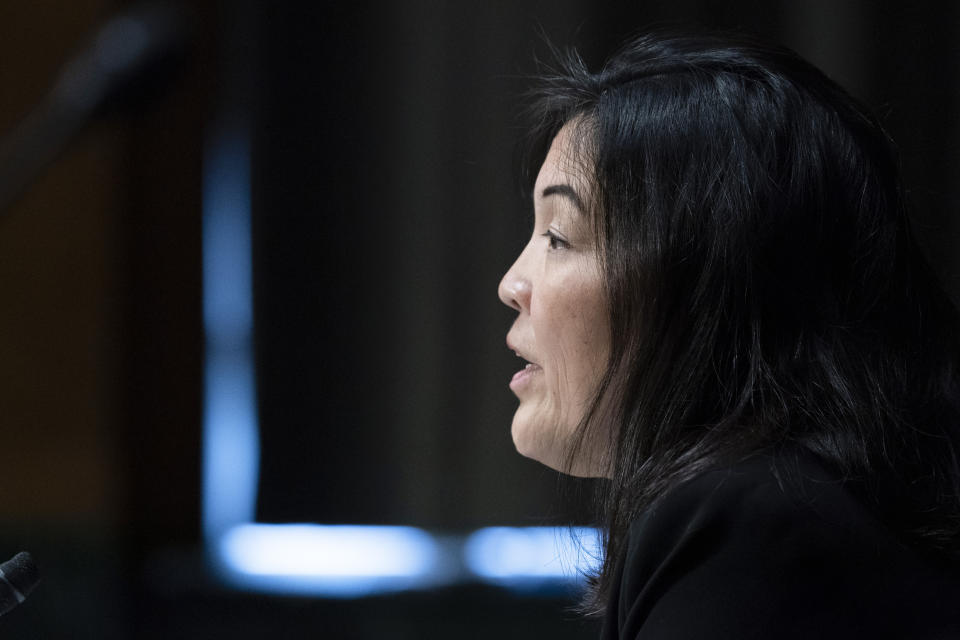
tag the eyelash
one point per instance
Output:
(556, 242)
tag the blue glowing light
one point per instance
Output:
(227, 258)
(331, 550)
(511, 554)
(230, 443)
(231, 451)
(332, 560)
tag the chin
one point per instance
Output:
(531, 444)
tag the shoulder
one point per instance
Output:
(772, 547)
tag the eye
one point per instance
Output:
(556, 242)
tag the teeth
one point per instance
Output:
(529, 364)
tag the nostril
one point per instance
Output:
(508, 294)
(510, 298)
(514, 289)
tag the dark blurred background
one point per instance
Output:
(386, 206)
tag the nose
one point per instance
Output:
(514, 289)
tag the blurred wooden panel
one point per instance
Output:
(58, 287)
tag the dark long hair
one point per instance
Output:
(764, 285)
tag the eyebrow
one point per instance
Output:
(566, 191)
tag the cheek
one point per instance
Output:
(583, 359)
(578, 345)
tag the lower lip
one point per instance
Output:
(522, 378)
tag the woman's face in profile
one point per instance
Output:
(561, 328)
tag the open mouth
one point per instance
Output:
(522, 377)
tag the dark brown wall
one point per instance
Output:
(100, 333)
(59, 286)
(100, 336)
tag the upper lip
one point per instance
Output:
(518, 351)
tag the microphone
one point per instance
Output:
(130, 60)
(18, 577)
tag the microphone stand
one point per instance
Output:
(128, 61)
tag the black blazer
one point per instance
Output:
(745, 553)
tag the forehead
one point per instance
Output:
(565, 173)
(566, 161)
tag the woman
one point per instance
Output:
(724, 312)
